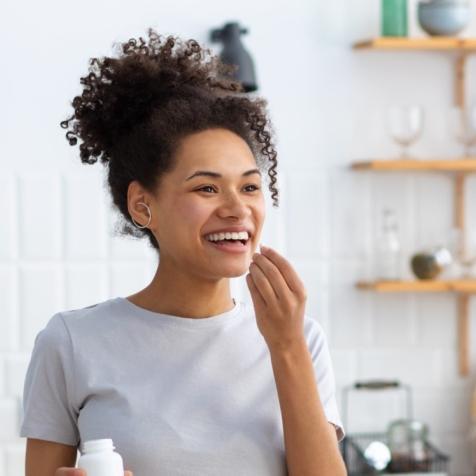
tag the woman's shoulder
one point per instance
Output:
(96, 308)
(63, 322)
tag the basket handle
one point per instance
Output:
(376, 384)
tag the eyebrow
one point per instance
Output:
(208, 173)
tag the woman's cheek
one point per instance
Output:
(192, 213)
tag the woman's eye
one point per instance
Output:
(209, 187)
(206, 186)
(255, 187)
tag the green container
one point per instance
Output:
(394, 18)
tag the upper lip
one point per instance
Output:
(231, 229)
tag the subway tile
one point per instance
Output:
(85, 221)
(9, 419)
(128, 278)
(9, 214)
(436, 322)
(40, 216)
(85, 283)
(15, 458)
(3, 465)
(41, 296)
(448, 368)
(345, 365)
(393, 320)
(415, 367)
(307, 210)
(9, 325)
(434, 210)
(443, 412)
(349, 308)
(16, 367)
(314, 276)
(349, 215)
(3, 379)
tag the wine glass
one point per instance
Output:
(463, 126)
(405, 125)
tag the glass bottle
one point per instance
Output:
(388, 247)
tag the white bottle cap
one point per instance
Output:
(98, 445)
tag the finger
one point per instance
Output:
(262, 284)
(128, 473)
(63, 471)
(292, 279)
(273, 274)
(258, 301)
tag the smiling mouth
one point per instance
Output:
(230, 241)
(229, 244)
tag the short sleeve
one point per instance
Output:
(324, 372)
(48, 411)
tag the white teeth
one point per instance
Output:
(242, 235)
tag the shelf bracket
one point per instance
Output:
(460, 77)
(459, 212)
(463, 298)
(463, 334)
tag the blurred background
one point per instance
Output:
(332, 105)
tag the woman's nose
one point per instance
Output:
(233, 205)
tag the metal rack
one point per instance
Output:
(353, 445)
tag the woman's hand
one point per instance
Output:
(279, 299)
(79, 472)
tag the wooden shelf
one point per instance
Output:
(423, 43)
(437, 165)
(464, 288)
(467, 286)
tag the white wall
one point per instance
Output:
(327, 103)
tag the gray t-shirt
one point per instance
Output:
(178, 396)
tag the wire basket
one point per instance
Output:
(353, 445)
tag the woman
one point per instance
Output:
(183, 378)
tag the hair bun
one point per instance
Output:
(120, 93)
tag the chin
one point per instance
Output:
(234, 271)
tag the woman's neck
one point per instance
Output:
(184, 295)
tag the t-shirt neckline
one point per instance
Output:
(189, 322)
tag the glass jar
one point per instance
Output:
(407, 442)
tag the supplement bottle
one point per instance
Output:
(98, 458)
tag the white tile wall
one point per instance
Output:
(57, 244)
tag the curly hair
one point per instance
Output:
(134, 110)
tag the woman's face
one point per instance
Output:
(214, 186)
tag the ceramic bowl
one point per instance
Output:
(443, 17)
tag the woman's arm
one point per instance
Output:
(279, 298)
(43, 458)
(310, 440)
